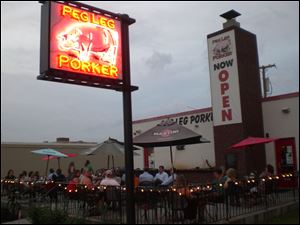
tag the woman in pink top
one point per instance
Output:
(87, 180)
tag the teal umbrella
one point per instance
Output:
(50, 152)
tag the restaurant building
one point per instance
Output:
(280, 120)
(238, 111)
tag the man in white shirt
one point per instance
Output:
(51, 173)
(171, 178)
(161, 176)
(145, 177)
(108, 180)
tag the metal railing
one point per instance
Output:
(209, 203)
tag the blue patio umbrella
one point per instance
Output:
(50, 152)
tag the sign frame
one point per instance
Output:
(49, 74)
(123, 86)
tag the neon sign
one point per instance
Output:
(84, 42)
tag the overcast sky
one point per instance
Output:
(168, 62)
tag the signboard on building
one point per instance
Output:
(80, 44)
(224, 79)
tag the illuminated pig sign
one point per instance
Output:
(84, 42)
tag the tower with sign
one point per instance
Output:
(236, 94)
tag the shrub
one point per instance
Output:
(47, 216)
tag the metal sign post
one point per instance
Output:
(127, 112)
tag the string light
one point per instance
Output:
(76, 190)
(236, 183)
(263, 179)
(222, 185)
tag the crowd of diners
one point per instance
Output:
(223, 181)
(115, 177)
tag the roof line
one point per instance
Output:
(172, 115)
(278, 97)
(271, 98)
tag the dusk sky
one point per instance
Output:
(169, 63)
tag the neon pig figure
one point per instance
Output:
(89, 42)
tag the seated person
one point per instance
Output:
(170, 179)
(59, 177)
(146, 178)
(109, 180)
(86, 180)
(135, 179)
(267, 187)
(161, 176)
(74, 181)
(10, 175)
(51, 173)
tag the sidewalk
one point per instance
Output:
(21, 221)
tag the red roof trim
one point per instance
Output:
(278, 97)
(173, 115)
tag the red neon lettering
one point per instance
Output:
(223, 75)
(226, 115)
(224, 87)
(87, 67)
(84, 16)
(225, 101)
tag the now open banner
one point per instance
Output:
(224, 79)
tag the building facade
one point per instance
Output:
(280, 120)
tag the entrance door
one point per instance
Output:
(286, 160)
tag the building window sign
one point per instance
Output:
(224, 79)
(84, 42)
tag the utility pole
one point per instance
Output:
(264, 70)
